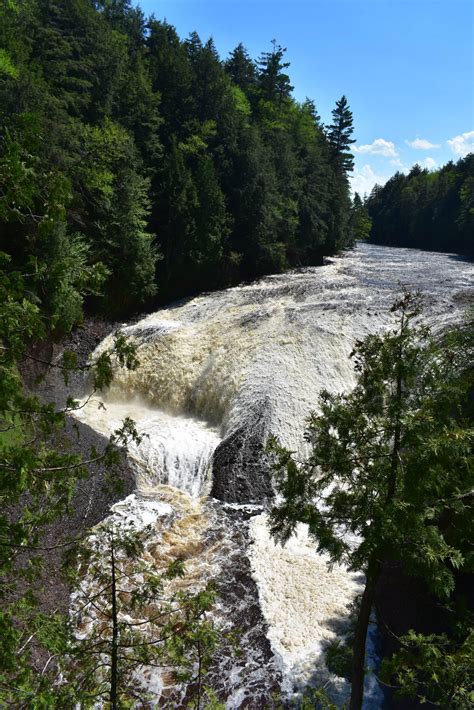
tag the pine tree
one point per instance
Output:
(240, 67)
(113, 201)
(360, 222)
(136, 620)
(172, 78)
(273, 82)
(339, 135)
(310, 106)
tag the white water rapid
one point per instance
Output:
(217, 374)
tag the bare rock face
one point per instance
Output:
(240, 471)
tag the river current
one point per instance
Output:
(217, 374)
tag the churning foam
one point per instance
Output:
(271, 346)
(208, 365)
(305, 603)
(174, 450)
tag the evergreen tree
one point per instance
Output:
(114, 204)
(212, 226)
(240, 68)
(310, 107)
(359, 221)
(171, 77)
(428, 210)
(339, 136)
(84, 67)
(273, 82)
(37, 484)
(390, 462)
(136, 620)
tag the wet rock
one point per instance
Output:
(240, 471)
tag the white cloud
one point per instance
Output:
(429, 163)
(401, 167)
(421, 144)
(463, 144)
(378, 147)
(363, 180)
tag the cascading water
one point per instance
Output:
(173, 450)
(217, 374)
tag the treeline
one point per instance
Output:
(136, 166)
(426, 210)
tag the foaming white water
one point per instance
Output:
(174, 450)
(305, 603)
(176, 526)
(268, 349)
(274, 344)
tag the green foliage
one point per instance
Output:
(129, 619)
(137, 133)
(360, 221)
(434, 669)
(427, 210)
(241, 68)
(115, 205)
(33, 204)
(37, 482)
(409, 387)
(273, 82)
(389, 463)
(6, 65)
(338, 657)
(317, 699)
(339, 135)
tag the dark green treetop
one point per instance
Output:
(339, 135)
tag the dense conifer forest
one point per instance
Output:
(137, 165)
(426, 210)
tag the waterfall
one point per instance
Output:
(221, 371)
(174, 450)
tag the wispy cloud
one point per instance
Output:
(463, 144)
(397, 162)
(378, 147)
(363, 180)
(429, 163)
(421, 144)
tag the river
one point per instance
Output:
(217, 374)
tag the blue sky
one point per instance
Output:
(406, 66)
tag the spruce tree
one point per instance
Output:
(240, 67)
(339, 135)
(273, 81)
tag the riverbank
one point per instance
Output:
(94, 494)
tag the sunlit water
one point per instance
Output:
(208, 366)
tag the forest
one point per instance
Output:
(426, 209)
(137, 167)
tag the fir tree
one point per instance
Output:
(240, 67)
(339, 135)
(273, 82)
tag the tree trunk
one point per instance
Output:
(360, 636)
(397, 434)
(114, 652)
